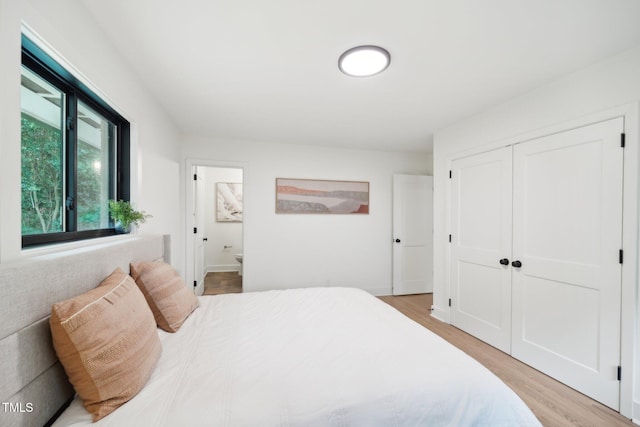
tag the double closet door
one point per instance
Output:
(535, 250)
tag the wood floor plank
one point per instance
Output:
(555, 404)
(225, 282)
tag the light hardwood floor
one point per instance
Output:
(226, 282)
(552, 402)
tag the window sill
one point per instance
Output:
(55, 248)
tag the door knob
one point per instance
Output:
(204, 239)
(397, 240)
(504, 261)
(516, 264)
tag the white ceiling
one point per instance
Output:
(266, 70)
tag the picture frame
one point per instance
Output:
(229, 202)
(318, 196)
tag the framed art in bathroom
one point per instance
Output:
(228, 202)
(317, 196)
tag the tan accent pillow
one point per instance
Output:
(107, 341)
(169, 298)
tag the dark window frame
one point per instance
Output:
(39, 62)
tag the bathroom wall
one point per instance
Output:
(220, 234)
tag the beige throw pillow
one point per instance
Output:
(171, 301)
(107, 342)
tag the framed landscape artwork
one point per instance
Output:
(229, 202)
(314, 196)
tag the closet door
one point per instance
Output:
(481, 246)
(567, 222)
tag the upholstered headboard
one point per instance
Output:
(33, 384)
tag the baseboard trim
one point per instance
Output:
(440, 314)
(636, 412)
(222, 268)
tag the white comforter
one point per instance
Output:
(311, 357)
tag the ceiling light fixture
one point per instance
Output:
(364, 61)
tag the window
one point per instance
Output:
(75, 154)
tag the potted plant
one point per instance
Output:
(124, 215)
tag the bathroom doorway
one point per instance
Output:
(223, 216)
(217, 244)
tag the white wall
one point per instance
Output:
(589, 93)
(287, 251)
(220, 234)
(76, 39)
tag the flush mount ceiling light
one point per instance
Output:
(363, 61)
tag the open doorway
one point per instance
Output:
(217, 212)
(223, 230)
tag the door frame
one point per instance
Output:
(630, 303)
(190, 163)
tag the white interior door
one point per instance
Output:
(567, 235)
(481, 246)
(413, 234)
(198, 221)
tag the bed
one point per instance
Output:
(302, 357)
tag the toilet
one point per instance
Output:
(239, 259)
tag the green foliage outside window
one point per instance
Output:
(42, 184)
(41, 178)
(91, 204)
